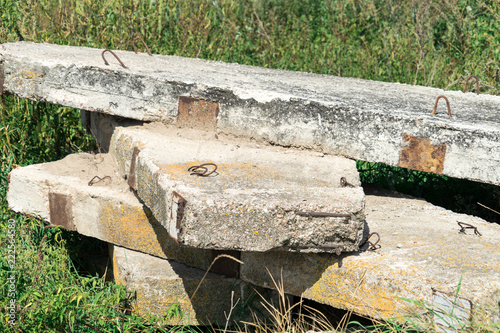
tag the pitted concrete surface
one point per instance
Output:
(255, 201)
(107, 210)
(366, 120)
(421, 248)
(163, 286)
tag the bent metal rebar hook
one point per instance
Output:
(201, 170)
(467, 82)
(143, 42)
(447, 105)
(106, 62)
(372, 246)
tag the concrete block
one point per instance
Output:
(380, 122)
(106, 210)
(162, 286)
(257, 199)
(422, 252)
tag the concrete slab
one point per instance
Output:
(169, 289)
(106, 210)
(256, 200)
(380, 122)
(421, 253)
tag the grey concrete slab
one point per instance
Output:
(106, 210)
(259, 198)
(181, 294)
(421, 253)
(380, 122)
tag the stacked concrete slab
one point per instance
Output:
(244, 161)
(380, 122)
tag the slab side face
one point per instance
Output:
(360, 119)
(162, 286)
(421, 252)
(253, 199)
(106, 210)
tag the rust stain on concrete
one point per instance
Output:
(60, 210)
(421, 155)
(197, 113)
(131, 173)
(1, 80)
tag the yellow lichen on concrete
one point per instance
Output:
(134, 228)
(172, 290)
(129, 226)
(362, 286)
(234, 170)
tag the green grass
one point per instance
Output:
(431, 43)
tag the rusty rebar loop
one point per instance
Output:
(447, 105)
(143, 42)
(345, 183)
(94, 181)
(465, 226)
(373, 246)
(106, 62)
(467, 83)
(196, 169)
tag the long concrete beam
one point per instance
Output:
(381, 122)
(421, 254)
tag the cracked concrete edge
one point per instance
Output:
(360, 119)
(157, 174)
(183, 295)
(112, 215)
(421, 249)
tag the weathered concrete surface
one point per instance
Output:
(107, 210)
(389, 123)
(254, 202)
(420, 249)
(162, 285)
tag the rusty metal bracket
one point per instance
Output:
(60, 211)
(467, 82)
(373, 246)
(419, 154)
(106, 62)
(321, 214)
(94, 181)
(177, 207)
(201, 170)
(197, 113)
(131, 172)
(465, 226)
(447, 105)
(344, 183)
(143, 42)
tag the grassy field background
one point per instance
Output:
(431, 43)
